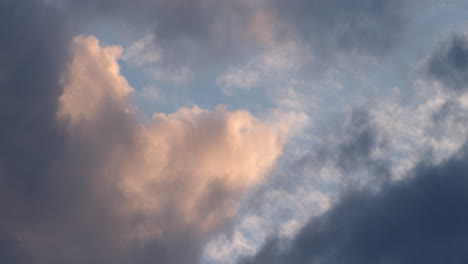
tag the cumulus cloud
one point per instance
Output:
(179, 176)
(84, 180)
(92, 81)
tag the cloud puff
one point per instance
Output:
(92, 81)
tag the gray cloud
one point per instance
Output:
(359, 139)
(216, 29)
(351, 147)
(33, 51)
(357, 26)
(420, 219)
(449, 63)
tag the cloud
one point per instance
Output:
(418, 219)
(353, 151)
(355, 147)
(84, 180)
(276, 65)
(415, 215)
(359, 26)
(449, 63)
(217, 27)
(29, 87)
(237, 78)
(93, 80)
(33, 52)
(179, 176)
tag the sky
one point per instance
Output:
(233, 131)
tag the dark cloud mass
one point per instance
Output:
(32, 56)
(421, 219)
(449, 63)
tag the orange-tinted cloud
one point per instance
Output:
(168, 184)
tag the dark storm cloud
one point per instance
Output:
(421, 219)
(32, 56)
(449, 63)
